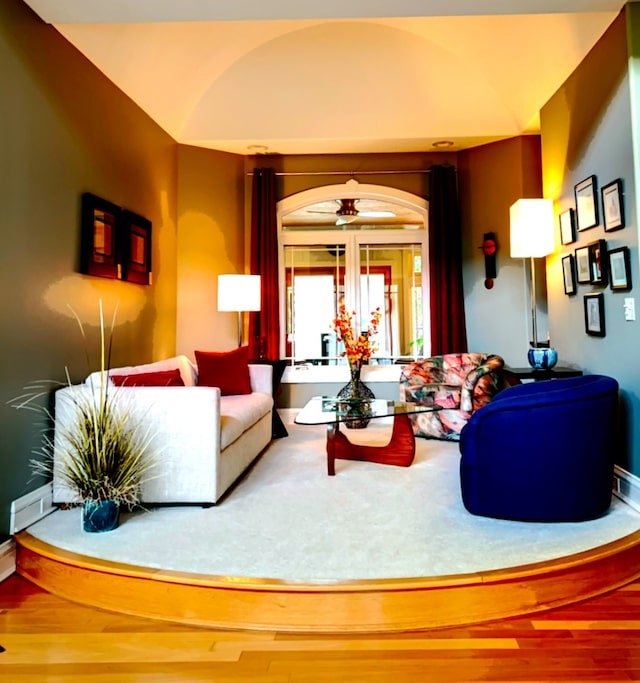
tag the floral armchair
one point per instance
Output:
(459, 382)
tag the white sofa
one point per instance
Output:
(201, 442)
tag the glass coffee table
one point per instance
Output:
(333, 412)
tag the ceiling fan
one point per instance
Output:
(347, 212)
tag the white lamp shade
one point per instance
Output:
(532, 228)
(238, 292)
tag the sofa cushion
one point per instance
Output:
(227, 370)
(164, 378)
(239, 413)
(182, 363)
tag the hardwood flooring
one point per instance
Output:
(46, 638)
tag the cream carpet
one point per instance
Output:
(287, 519)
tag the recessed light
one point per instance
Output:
(258, 149)
(442, 143)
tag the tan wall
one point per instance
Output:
(492, 177)
(211, 240)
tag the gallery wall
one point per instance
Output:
(588, 129)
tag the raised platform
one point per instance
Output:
(368, 606)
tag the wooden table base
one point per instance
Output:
(399, 451)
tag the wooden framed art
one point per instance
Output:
(569, 274)
(136, 248)
(594, 314)
(587, 203)
(619, 269)
(583, 271)
(100, 225)
(568, 226)
(612, 206)
(598, 262)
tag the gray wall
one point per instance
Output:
(588, 127)
(65, 129)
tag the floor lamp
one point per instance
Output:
(532, 237)
(239, 293)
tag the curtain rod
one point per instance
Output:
(349, 173)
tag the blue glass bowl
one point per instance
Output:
(542, 358)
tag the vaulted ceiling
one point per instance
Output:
(335, 76)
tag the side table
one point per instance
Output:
(537, 375)
(278, 430)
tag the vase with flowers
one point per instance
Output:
(358, 348)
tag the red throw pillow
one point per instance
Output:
(162, 378)
(228, 370)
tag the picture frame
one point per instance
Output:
(620, 269)
(568, 226)
(136, 248)
(598, 262)
(594, 323)
(583, 269)
(99, 239)
(569, 275)
(612, 206)
(586, 203)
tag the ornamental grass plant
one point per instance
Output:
(101, 452)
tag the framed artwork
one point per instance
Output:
(583, 270)
(598, 262)
(594, 314)
(100, 225)
(568, 226)
(136, 248)
(586, 203)
(612, 206)
(619, 269)
(569, 274)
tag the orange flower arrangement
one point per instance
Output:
(357, 349)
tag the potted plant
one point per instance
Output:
(101, 453)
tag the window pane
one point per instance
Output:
(314, 283)
(391, 279)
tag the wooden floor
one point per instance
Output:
(46, 638)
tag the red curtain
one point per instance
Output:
(264, 325)
(448, 329)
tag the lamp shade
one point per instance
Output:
(531, 228)
(238, 292)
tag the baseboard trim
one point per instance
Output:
(31, 507)
(626, 486)
(7, 559)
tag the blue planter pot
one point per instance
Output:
(100, 515)
(542, 358)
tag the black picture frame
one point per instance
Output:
(594, 323)
(583, 269)
(598, 263)
(587, 203)
(567, 226)
(619, 269)
(569, 275)
(100, 237)
(612, 205)
(136, 248)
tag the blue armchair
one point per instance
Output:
(542, 452)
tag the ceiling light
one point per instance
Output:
(257, 149)
(442, 143)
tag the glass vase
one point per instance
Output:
(355, 398)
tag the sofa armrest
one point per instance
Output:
(261, 377)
